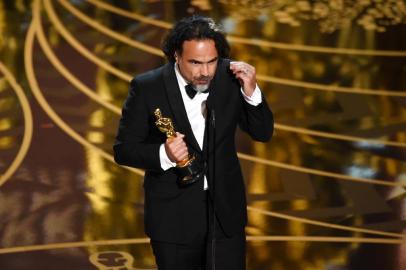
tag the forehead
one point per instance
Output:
(204, 49)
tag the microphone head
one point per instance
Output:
(204, 108)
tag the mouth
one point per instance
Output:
(203, 81)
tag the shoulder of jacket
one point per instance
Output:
(151, 76)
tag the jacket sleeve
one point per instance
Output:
(132, 147)
(257, 121)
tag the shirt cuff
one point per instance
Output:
(256, 97)
(166, 163)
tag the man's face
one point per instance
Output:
(198, 62)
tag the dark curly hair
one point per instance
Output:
(195, 27)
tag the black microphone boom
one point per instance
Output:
(211, 143)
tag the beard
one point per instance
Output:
(202, 87)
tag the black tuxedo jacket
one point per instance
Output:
(170, 211)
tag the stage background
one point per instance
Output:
(327, 193)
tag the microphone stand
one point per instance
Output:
(211, 144)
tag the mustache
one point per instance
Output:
(206, 78)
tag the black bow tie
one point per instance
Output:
(191, 92)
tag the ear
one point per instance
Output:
(176, 57)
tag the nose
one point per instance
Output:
(204, 70)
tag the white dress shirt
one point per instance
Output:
(195, 113)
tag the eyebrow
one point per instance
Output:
(200, 62)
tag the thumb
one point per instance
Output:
(179, 135)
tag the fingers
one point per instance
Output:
(176, 148)
(241, 69)
(246, 74)
(242, 75)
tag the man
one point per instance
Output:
(199, 225)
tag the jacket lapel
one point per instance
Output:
(177, 106)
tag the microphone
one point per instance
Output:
(204, 109)
(212, 118)
(209, 114)
(211, 142)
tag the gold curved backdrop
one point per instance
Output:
(327, 193)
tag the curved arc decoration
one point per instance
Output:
(337, 136)
(265, 238)
(78, 46)
(113, 34)
(46, 47)
(28, 125)
(74, 245)
(115, 109)
(29, 67)
(254, 42)
(323, 224)
(33, 82)
(44, 44)
(339, 176)
(301, 84)
(329, 88)
(127, 77)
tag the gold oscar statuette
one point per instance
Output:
(188, 169)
